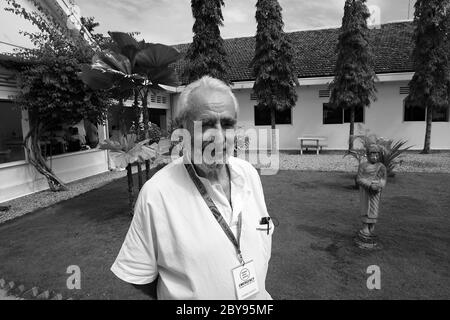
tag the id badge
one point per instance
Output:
(245, 282)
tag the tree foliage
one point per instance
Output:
(132, 68)
(430, 86)
(206, 54)
(272, 64)
(49, 87)
(354, 82)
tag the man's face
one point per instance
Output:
(374, 157)
(215, 111)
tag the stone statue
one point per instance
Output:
(371, 179)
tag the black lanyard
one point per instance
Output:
(216, 213)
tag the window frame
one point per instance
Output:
(278, 124)
(425, 115)
(24, 131)
(342, 116)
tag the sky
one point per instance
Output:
(170, 21)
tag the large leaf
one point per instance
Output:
(127, 45)
(113, 60)
(139, 153)
(100, 79)
(110, 70)
(96, 79)
(124, 144)
(165, 76)
(155, 55)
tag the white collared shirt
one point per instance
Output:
(174, 235)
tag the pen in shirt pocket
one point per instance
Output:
(266, 221)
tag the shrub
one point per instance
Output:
(390, 150)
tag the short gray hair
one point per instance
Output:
(184, 104)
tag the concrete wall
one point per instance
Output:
(384, 118)
(20, 178)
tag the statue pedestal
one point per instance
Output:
(368, 242)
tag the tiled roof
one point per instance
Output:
(314, 51)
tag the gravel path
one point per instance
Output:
(327, 161)
(410, 162)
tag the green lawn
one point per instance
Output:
(313, 256)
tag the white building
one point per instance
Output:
(314, 64)
(17, 176)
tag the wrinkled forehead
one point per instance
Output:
(203, 100)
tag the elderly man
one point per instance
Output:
(202, 226)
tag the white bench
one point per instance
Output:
(313, 142)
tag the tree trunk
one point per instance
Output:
(427, 144)
(130, 188)
(273, 125)
(136, 108)
(122, 124)
(145, 114)
(35, 158)
(147, 170)
(139, 175)
(352, 128)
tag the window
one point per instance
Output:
(441, 114)
(67, 137)
(331, 115)
(11, 137)
(262, 116)
(339, 116)
(418, 113)
(359, 115)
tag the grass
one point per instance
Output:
(313, 256)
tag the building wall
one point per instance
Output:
(20, 178)
(384, 117)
